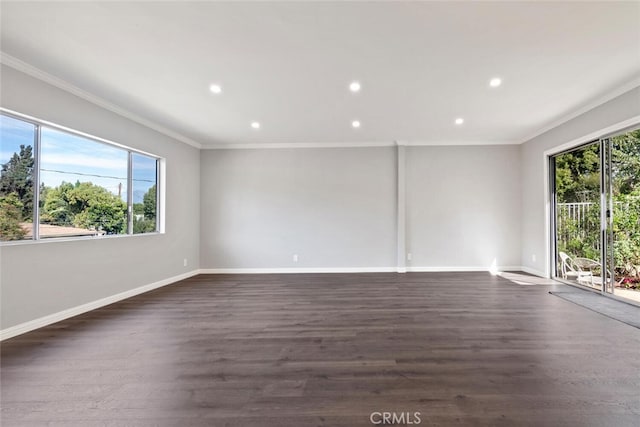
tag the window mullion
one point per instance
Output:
(157, 195)
(36, 184)
(130, 193)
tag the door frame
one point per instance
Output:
(553, 238)
(603, 137)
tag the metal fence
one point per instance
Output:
(581, 220)
(576, 212)
(577, 220)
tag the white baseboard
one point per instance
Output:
(534, 272)
(454, 269)
(65, 314)
(301, 270)
(351, 270)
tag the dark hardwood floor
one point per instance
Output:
(328, 350)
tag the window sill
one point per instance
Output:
(76, 239)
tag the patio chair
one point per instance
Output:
(578, 269)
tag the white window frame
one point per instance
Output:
(160, 182)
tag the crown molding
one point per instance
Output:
(451, 143)
(398, 143)
(620, 90)
(41, 75)
(278, 145)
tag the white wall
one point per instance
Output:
(610, 116)
(336, 208)
(42, 278)
(463, 207)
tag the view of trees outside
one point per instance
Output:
(144, 170)
(578, 205)
(83, 183)
(16, 178)
(82, 186)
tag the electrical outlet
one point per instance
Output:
(295, 257)
(533, 257)
(185, 262)
(409, 256)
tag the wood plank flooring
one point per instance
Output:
(462, 349)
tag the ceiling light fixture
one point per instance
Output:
(215, 89)
(355, 87)
(459, 121)
(495, 82)
(255, 125)
(355, 124)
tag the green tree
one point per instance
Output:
(143, 226)
(626, 233)
(85, 205)
(138, 209)
(16, 176)
(578, 172)
(10, 218)
(578, 175)
(55, 205)
(625, 156)
(147, 223)
(149, 201)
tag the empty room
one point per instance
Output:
(324, 213)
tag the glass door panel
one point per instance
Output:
(577, 200)
(624, 222)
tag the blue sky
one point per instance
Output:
(67, 157)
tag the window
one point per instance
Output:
(16, 178)
(145, 193)
(82, 186)
(85, 187)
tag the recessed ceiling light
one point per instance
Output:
(355, 124)
(255, 125)
(459, 121)
(215, 88)
(355, 87)
(495, 82)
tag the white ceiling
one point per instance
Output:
(288, 65)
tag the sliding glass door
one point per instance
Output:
(595, 193)
(623, 214)
(577, 215)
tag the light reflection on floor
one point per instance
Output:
(524, 279)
